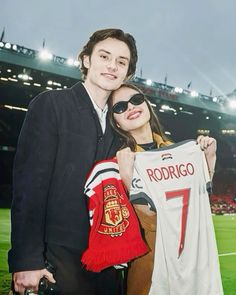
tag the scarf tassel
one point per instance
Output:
(97, 260)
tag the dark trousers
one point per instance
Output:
(73, 279)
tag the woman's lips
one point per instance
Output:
(133, 115)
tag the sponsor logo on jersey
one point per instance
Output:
(115, 214)
(136, 183)
(166, 156)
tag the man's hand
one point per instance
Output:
(29, 280)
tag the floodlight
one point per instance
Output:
(232, 104)
(24, 77)
(215, 99)
(76, 63)
(70, 62)
(194, 93)
(12, 79)
(149, 82)
(44, 54)
(165, 107)
(14, 108)
(152, 104)
(8, 45)
(178, 90)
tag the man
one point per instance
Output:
(64, 133)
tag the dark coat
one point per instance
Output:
(60, 140)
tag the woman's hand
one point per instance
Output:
(125, 159)
(209, 146)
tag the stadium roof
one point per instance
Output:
(32, 61)
(183, 113)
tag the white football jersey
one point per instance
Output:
(174, 181)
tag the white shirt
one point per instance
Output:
(102, 114)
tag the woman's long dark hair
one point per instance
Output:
(128, 139)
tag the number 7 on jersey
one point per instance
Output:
(185, 194)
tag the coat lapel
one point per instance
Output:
(111, 141)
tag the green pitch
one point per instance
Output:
(4, 246)
(225, 227)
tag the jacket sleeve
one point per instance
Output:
(32, 172)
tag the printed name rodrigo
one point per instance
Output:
(170, 172)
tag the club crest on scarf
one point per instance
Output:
(115, 213)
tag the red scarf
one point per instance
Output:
(115, 236)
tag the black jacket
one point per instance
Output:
(60, 140)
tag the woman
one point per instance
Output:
(133, 118)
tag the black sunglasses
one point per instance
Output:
(121, 106)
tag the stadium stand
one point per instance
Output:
(184, 113)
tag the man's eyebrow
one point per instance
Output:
(104, 51)
(108, 52)
(124, 57)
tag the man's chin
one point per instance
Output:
(111, 86)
